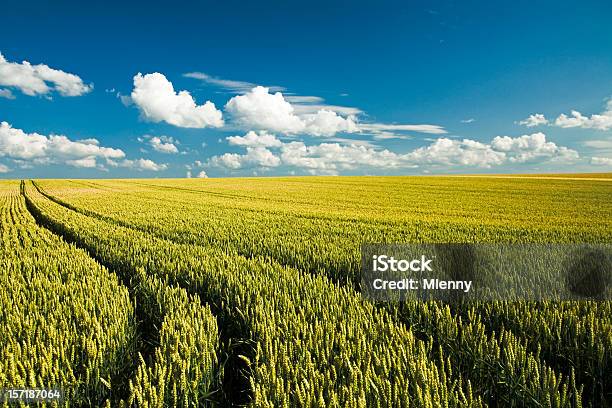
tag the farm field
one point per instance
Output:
(232, 292)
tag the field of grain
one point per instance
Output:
(232, 292)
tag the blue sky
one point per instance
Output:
(358, 82)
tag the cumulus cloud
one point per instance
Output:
(30, 149)
(40, 149)
(601, 121)
(302, 104)
(331, 158)
(202, 174)
(601, 161)
(273, 112)
(536, 119)
(161, 144)
(139, 164)
(86, 162)
(255, 157)
(328, 158)
(328, 123)
(155, 97)
(267, 108)
(466, 152)
(530, 147)
(4, 168)
(261, 139)
(262, 110)
(40, 79)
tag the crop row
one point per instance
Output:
(67, 323)
(314, 343)
(585, 336)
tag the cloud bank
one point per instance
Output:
(39, 79)
(27, 149)
(40, 149)
(601, 121)
(264, 150)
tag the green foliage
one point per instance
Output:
(315, 342)
(317, 224)
(275, 263)
(67, 322)
(183, 370)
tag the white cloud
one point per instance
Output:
(602, 121)
(530, 147)
(155, 97)
(382, 127)
(450, 152)
(228, 160)
(604, 144)
(301, 106)
(328, 123)
(19, 145)
(262, 110)
(254, 157)
(7, 94)
(231, 85)
(126, 100)
(139, 164)
(252, 139)
(307, 99)
(536, 119)
(146, 164)
(347, 141)
(469, 120)
(331, 158)
(86, 162)
(163, 144)
(40, 79)
(259, 109)
(384, 135)
(202, 174)
(266, 108)
(601, 161)
(4, 168)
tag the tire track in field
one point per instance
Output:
(148, 327)
(491, 327)
(235, 389)
(20, 214)
(147, 337)
(423, 336)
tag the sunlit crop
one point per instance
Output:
(246, 291)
